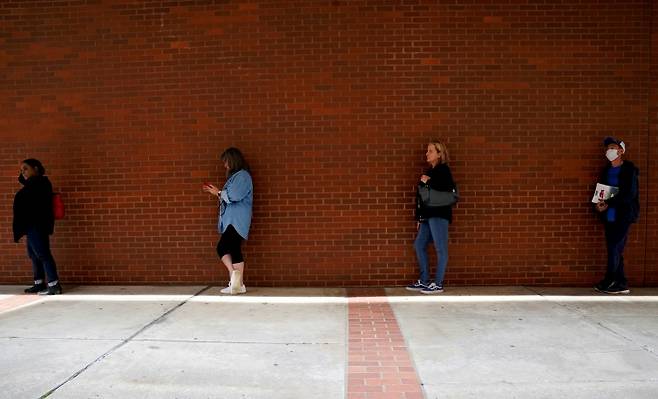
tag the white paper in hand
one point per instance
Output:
(604, 192)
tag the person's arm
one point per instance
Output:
(211, 189)
(240, 187)
(441, 179)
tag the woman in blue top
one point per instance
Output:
(235, 209)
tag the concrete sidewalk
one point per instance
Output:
(193, 342)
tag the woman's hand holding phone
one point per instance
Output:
(209, 188)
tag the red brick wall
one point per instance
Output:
(129, 107)
(651, 176)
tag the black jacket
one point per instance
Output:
(33, 207)
(627, 200)
(441, 180)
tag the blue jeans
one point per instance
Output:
(43, 263)
(432, 230)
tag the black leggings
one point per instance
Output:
(230, 243)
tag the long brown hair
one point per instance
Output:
(235, 160)
(36, 165)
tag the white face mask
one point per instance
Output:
(612, 154)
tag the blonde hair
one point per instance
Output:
(441, 148)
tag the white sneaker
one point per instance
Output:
(228, 290)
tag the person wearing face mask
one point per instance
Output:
(432, 223)
(617, 213)
(34, 218)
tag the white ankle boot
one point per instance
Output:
(235, 286)
(227, 290)
(236, 283)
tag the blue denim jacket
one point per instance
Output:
(235, 203)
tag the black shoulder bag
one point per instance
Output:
(431, 198)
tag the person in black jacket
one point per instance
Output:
(618, 213)
(33, 218)
(432, 223)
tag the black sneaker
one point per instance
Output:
(432, 289)
(35, 289)
(603, 285)
(52, 290)
(617, 289)
(417, 286)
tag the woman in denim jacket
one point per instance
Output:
(235, 209)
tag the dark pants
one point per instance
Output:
(43, 263)
(616, 235)
(229, 244)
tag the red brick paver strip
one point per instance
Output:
(17, 301)
(379, 365)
